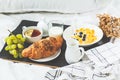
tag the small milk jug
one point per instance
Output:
(73, 52)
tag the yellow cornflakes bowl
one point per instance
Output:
(85, 35)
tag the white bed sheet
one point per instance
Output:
(64, 6)
(20, 71)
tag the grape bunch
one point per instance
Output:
(15, 45)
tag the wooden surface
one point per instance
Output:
(30, 63)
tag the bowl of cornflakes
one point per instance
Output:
(84, 35)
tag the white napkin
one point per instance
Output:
(105, 54)
(64, 77)
(82, 71)
(77, 71)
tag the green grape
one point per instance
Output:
(10, 51)
(10, 47)
(20, 56)
(19, 36)
(15, 41)
(19, 53)
(13, 46)
(9, 41)
(7, 48)
(15, 55)
(6, 39)
(22, 39)
(20, 46)
(14, 52)
(19, 41)
(12, 37)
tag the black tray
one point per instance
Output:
(59, 61)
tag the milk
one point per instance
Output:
(55, 31)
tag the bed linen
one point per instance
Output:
(21, 71)
(63, 6)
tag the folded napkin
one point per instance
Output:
(105, 54)
(82, 71)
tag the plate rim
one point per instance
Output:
(48, 58)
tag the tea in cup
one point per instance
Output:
(32, 33)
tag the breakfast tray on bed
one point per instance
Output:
(59, 61)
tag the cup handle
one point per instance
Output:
(81, 50)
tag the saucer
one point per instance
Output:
(48, 58)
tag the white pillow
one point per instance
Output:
(64, 6)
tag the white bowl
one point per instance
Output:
(71, 30)
(29, 38)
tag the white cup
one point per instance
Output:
(30, 38)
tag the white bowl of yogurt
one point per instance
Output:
(55, 28)
(55, 31)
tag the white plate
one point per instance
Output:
(71, 30)
(48, 58)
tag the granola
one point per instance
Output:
(110, 25)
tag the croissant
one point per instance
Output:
(43, 48)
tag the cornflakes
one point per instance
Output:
(85, 35)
